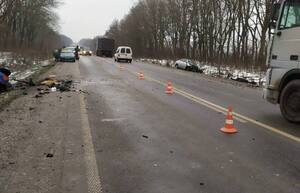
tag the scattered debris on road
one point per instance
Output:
(24, 82)
(145, 136)
(54, 84)
(49, 155)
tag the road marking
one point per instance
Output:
(239, 117)
(200, 101)
(93, 179)
(193, 98)
(113, 120)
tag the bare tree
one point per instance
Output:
(232, 32)
(28, 25)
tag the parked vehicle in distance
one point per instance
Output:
(123, 53)
(81, 51)
(67, 55)
(87, 53)
(105, 47)
(187, 64)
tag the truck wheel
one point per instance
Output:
(290, 102)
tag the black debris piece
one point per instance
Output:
(49, 155)
(65, 86)
(38, 96)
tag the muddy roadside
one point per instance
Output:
(40, 140)
(7, 97)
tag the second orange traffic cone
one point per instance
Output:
(141, 76)
(229, 126)
(169, 88)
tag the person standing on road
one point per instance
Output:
(4, 79)
(77, 52)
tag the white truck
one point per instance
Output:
(283, 75)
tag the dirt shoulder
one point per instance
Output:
(40, 139)
(7, 97)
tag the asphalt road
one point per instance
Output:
(146, 141)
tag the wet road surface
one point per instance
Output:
(150, 142)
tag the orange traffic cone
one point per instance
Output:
(229, 127)
(121, 67)
(169, 88)
(141, 76)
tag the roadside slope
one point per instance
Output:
(41, 143)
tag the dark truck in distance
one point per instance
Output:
(105, 47)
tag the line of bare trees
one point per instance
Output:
(230, 32)
(28, 26)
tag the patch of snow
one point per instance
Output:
(247, 76)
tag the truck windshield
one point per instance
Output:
(291, 15)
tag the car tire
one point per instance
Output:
(176, 66)
(290, 102)
(130, 61)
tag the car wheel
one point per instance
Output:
(130, 61)
(176, 66)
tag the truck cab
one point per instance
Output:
(283, 75)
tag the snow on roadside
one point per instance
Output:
(240, 75)
(21, 67)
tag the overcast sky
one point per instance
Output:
(88, 18)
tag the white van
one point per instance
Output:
(123, 53)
